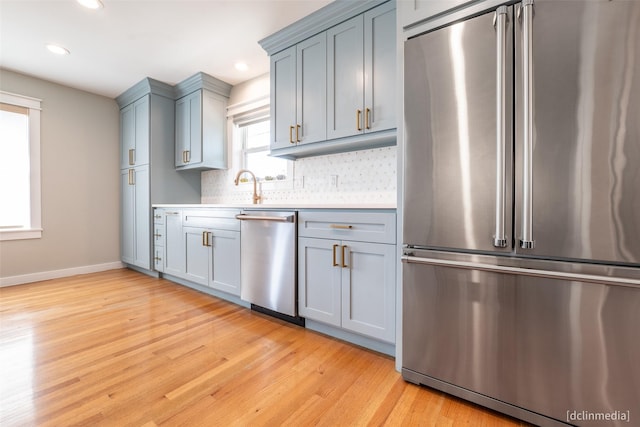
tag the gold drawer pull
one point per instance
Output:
(358, 119)
(335, 263)
(341, 226)
(344, 264)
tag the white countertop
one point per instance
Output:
(282, 206)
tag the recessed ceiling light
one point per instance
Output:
(91, 4)
(58, 50)
(241, 66)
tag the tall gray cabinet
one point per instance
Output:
(147, 168)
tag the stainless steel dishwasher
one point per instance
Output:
(268, 262)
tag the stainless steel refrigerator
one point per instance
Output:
(521, 211)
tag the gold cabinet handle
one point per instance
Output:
(132, 157)
(341, 226)
(297, 133)
(367, 118)
(335, 263)
(344, 264)
(156, 235)
(188, 154)
(157, 259)
(291, 135)
(358, 118)
(132, 177)
(204, 238)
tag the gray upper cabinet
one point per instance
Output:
(188, 130)
(333, 76)
(134, 133)
(283, 99)
(311, 80)
(299, 100)
(362, 73)
(380, 68)
(345, 61)
(200, 123)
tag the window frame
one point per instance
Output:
(34, 231)
(242, 114)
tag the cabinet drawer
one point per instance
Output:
(158, 235)
(158, 261)
(222, 219)
(158, 216)
(377, 227)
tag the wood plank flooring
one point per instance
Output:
(119, 348)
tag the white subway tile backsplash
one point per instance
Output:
(367, 176)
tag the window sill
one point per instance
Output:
(21, 234)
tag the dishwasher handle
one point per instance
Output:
(245, 217)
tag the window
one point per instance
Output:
(19, 167)
(251, 136)
(255, 153)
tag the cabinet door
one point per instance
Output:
(134, 134)
(368, 289)
(197, 255)
(311, 123)
(225, 268)
(142, 217)
(380, 68)
(127, 217)
(127, 137)
(174, 253)
(142, 125)
(283, 98)
(345, 85)
(189, 129)
(319, 279)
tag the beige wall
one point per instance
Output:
(255, 88)
(80, 190)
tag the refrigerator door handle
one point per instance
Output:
(500, 22)
(526, 240)
(531, 272)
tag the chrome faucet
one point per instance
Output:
(256, 199)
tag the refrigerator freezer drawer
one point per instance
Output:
(515, 341)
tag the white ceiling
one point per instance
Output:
(117, 46)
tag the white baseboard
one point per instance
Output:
(55, 274)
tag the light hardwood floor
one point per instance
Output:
(119, 348)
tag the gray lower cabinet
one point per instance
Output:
(158, 240)
(203, 246)
(346, 283)
(197, 255)
(173, 250)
